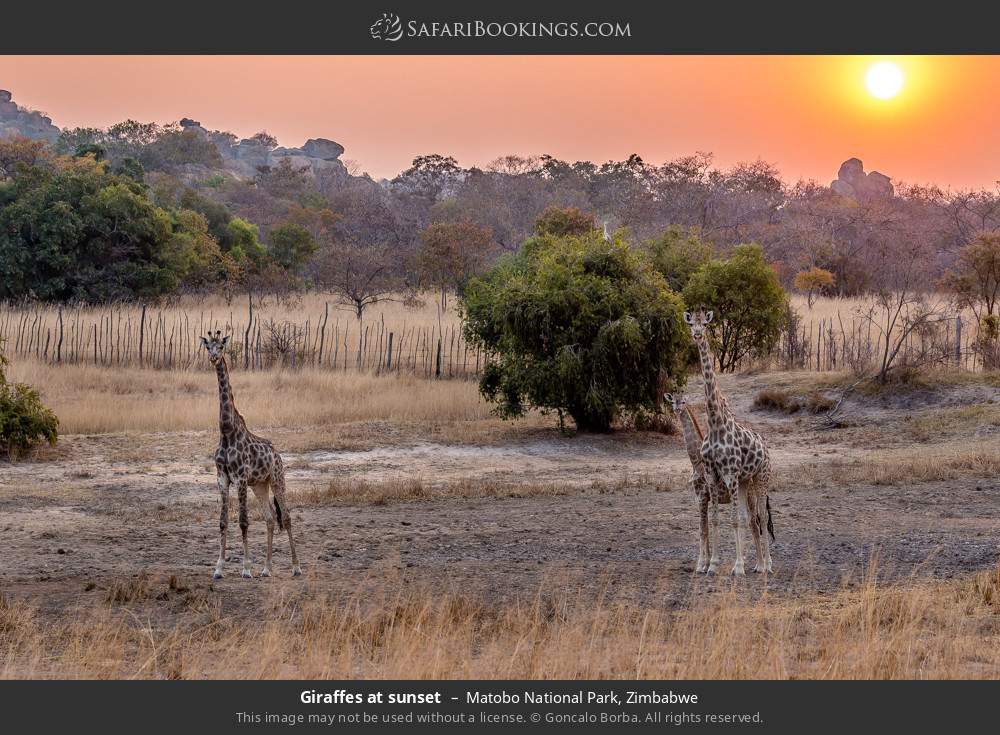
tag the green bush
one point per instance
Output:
(748, 300)
(24, 421)
(577, 325)
(678, 253)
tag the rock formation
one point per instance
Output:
(853, 182)
(244, 157)
(20, 121)
(241, 158)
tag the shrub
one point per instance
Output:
(24, 421)
(576, 325)
(749, 304)
(775, 399)
(816, 402)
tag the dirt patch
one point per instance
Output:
(598, 510)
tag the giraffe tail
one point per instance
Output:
(278, 516)
(770, 525)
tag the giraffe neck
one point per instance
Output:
(228, 415)
(694, 424)
(692, 433)
(716, 411)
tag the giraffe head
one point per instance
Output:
(677, 401)
(697, 321)
(215, 344)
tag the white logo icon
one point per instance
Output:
(387, 28)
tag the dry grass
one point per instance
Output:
(934, 424)
(916, 630)
(350, 491)
(96, 400)
(928, 464)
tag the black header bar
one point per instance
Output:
(509, 27)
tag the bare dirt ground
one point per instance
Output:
(593, 511)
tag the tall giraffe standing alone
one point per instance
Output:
(736, 456)
(705, 490)
(246, 460)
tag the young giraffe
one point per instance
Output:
(736, 457)
(706, 491)
(247, 460)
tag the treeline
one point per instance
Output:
(144, 211)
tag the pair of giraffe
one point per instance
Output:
(730, 464)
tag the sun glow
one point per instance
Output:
(884, 80)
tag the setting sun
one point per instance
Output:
(884, 80)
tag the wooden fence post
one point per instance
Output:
(958, 340)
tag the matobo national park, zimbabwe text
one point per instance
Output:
(581, 697)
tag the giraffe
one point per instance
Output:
(736, 457)
(246, 460)
(704, 489)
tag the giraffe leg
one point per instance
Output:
(241, 492)
(260, 491)
(703, 547)
(223, 523)
(713, 541)
(278, 487)
(738, 496)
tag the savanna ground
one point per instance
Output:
(438, 541)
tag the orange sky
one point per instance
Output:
(804, 113)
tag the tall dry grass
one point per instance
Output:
(95, 400)
(306, 329)
(918, 630)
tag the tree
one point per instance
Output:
(265, 139)
(452, 252)
(194, 255)
(358, 275)
(677, 253)
(429, 177)
(748, 301)
(901, 306)
(561, 221)
(291, 246)
(285, 181)
(241, 241)
(813, 282)
(975, 279)
(95, 150)
(173, 149)
(17, 151)
(75, 230)
(578, 326)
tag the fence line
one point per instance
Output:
(126, 334)
(164, 339)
